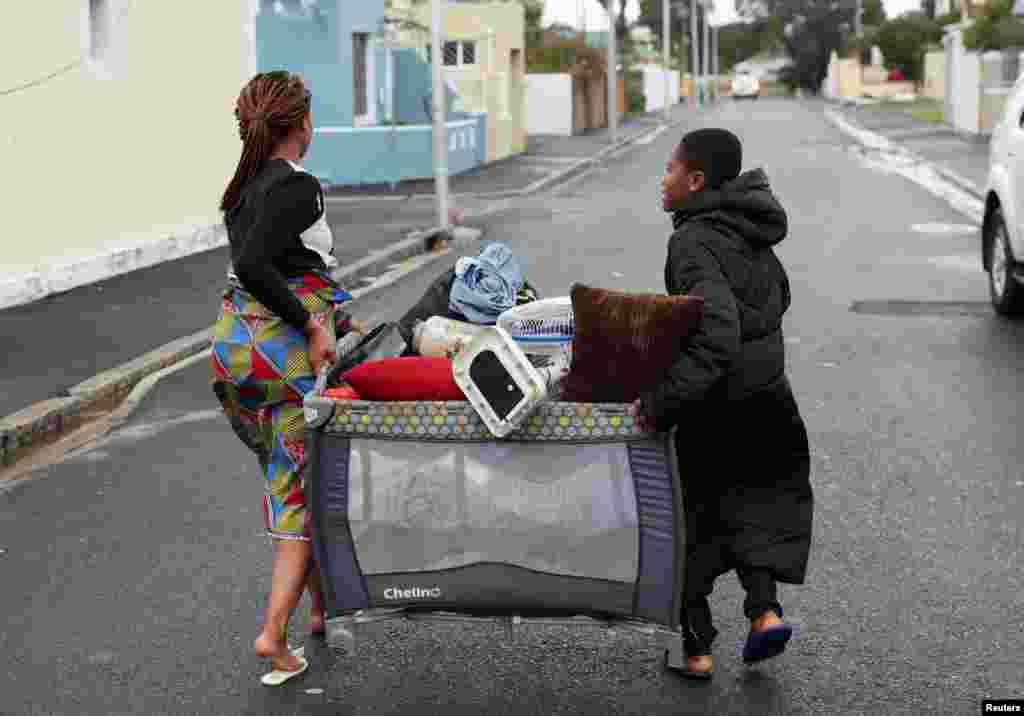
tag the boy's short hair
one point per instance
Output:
(716, 152)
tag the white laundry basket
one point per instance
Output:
(544, 327)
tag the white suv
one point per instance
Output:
(745, 85)
(1002, 233)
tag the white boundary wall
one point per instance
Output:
(549, 104)
(654, 88)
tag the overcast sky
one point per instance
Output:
(572, 11)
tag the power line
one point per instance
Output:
(43, 80)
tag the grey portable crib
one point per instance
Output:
(419, 512)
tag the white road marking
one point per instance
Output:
(878, 153)
(963, 263)
(136, 433)
(648, 138)
(945, 229)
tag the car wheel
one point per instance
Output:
(1007, 294)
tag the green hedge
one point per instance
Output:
(547, 60)
(635, 101)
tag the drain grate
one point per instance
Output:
(923, 308)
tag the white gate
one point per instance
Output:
(963, 85)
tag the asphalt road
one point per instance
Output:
(135, 571)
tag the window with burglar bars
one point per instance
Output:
(457, 53)
(451, 54)
(360, 43)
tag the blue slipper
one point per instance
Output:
(766, 643)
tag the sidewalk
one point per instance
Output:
(129, 326)
(964, 156)
(545, 156)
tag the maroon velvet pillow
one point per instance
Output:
(406, 378)
(625, 343)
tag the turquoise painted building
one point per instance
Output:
(370, 102)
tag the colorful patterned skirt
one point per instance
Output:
(261, 372)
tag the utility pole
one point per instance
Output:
(858, 21)
(705, 60)
(694, 54)
(613, 77)
(714, 58)
(440, 124)
(666, 43)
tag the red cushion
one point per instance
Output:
(406, 378)
(342, 392)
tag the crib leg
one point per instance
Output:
(510, 623)
(673, 645)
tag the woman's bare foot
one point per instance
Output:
(277, 651)
(699, 664)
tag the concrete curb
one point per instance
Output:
(875, 140)
(144, 386)
(43, 422)
(124, 386)
(966, 184)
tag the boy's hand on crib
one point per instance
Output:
(642, 422)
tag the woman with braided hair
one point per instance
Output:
(277, 326)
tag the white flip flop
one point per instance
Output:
(278, 677)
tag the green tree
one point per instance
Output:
(534, 14)
(813, 30)
(996, 28)
(651, 17)
(874, 13)
(621, 25)
(904, 41)
(741, 41)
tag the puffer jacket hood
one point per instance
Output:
(744, 205)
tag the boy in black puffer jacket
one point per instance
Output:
(742, 445)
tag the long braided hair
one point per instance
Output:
(270, 106)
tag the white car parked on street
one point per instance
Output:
(1002, 233)
(744, 84)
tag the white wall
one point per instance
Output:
(963, 85)
(118, 161)
(549, 104)
(968, 96)
(935, 75)
(654, 88)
